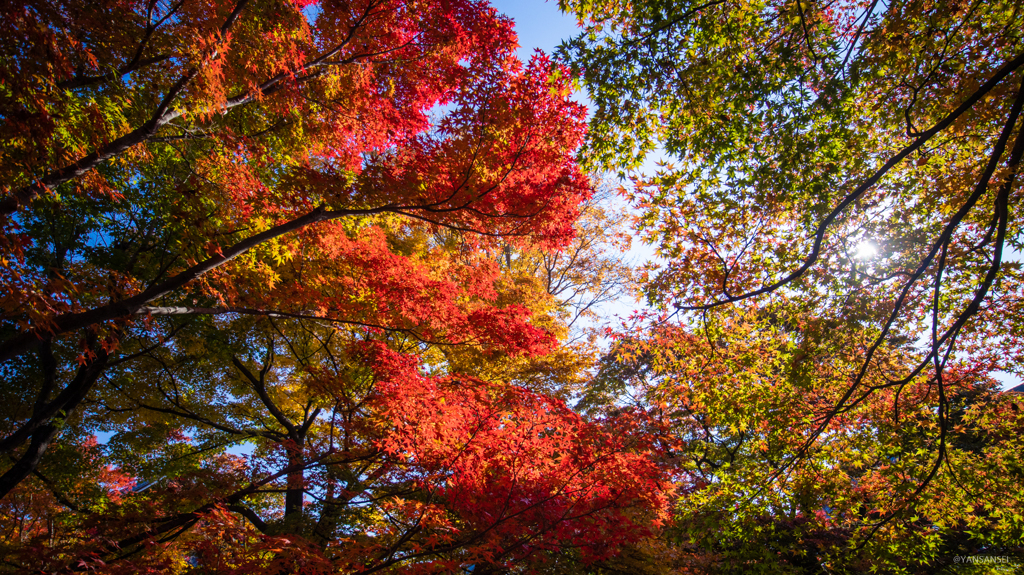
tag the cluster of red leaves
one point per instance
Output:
(362, 281)
(518, 471)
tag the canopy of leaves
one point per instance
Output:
(836, 213)
(251, 244)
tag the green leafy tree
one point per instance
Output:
(836, 216)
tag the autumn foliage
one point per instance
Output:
(252, 245)
(836, 209)
(312, 286)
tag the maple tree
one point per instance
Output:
(361, 463)
(274, 224)
(737, 403)
(840, 282)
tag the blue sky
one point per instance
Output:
(539, 24)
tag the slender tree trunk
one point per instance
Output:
(46, 422)
(296, 479)
(29, 461)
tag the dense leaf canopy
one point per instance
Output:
(278, 255)
(295, 286)
(837, 213)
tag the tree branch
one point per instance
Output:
(819, 235)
